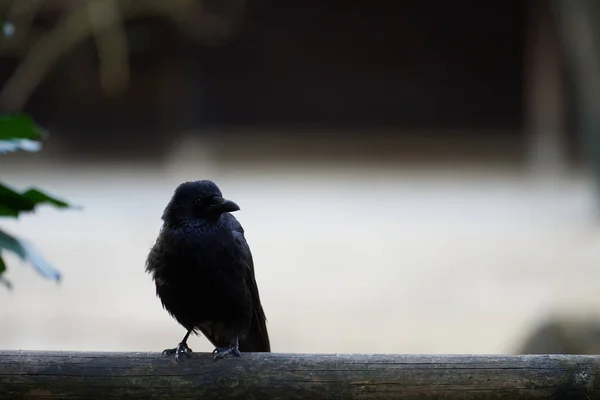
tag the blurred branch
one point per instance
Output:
(71, 30)
(24, 11)
(111, 44)
(578, 24)
(104, 20)
(21, 13)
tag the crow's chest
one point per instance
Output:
(204, 286)
(207, 266)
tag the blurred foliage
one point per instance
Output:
(19, 132)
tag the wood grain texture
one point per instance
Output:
(66, 375)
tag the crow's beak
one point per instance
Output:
(224, 205)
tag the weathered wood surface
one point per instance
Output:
(64, 375)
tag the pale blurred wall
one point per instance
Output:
(350, 257)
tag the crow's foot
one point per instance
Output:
(221, 352)
(182, 348)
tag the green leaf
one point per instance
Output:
(19, 126)
(38, 197)
(2, 265)
(27, 252)
(6, 211)
(12, 203)
(19, 132)
(3, 280)
(10, 243)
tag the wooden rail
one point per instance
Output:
(65, 375)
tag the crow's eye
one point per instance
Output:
(199, 201)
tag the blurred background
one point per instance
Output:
(413, 176)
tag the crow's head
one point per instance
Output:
(197, 200)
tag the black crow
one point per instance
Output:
(204, 273)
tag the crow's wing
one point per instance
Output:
(257, 338)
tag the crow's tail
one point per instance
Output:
(257, 338)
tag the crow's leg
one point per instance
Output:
(182, 348)
(234, 349)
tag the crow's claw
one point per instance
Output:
(182, 348)
(221, 352)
